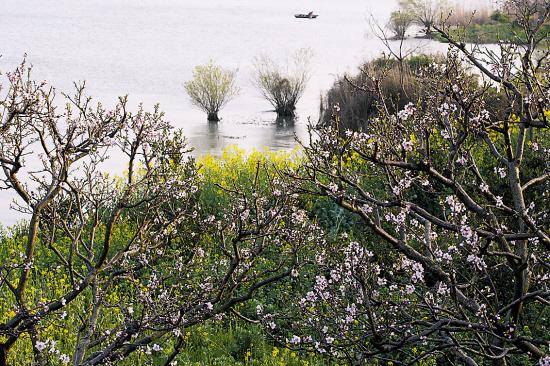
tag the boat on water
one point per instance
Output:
(309, 15)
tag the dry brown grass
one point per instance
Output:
(461, 15)
(358, 105)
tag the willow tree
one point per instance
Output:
(211, 88)
(400, 21)
(426, 12)
(283, 85)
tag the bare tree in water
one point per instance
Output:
(283, 85)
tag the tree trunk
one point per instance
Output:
(285, 111)
(213, 117)
(3, 355)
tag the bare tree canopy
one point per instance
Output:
(426, 13)
(283, 85)
(400, 21)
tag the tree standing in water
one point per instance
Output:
(283, 86)
(211, 88)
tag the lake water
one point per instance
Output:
(148, 48)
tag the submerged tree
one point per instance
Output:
(283, 86)
(114, 268)
(452, 262)
(211, 88)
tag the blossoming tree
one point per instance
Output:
(108, 269)
(451, 263)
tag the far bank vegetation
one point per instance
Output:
(482, 24)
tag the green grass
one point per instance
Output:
(498, 28)
(238, 343)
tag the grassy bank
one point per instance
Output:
(494, 29)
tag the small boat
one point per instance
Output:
(309, 15)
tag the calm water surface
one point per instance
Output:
(148, 48)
